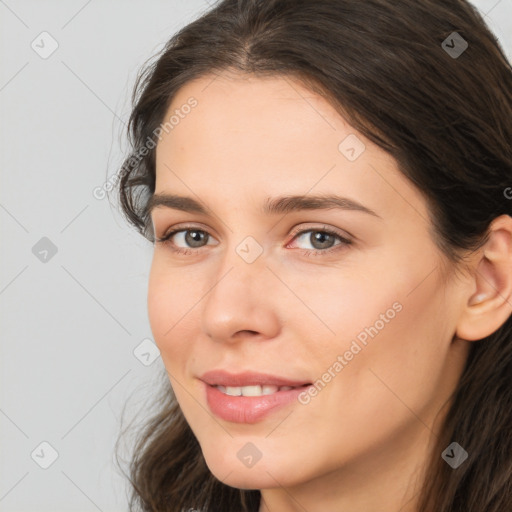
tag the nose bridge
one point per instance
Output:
(240, 267)
(237, 299)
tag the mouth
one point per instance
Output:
(249, 397)
(249, 379)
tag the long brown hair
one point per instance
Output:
(441, 104)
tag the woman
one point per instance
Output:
(328, 187)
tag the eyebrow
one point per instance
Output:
(272, 206)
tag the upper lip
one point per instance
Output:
(224, 378)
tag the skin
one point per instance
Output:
(363, 442)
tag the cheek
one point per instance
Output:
(170, 301)
(391, 327)
(398, 365)
(338, 306)
(160, 297)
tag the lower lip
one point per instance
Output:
(248, 409)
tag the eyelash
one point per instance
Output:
(166, 240)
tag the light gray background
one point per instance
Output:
(70, 325)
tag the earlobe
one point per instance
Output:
(490, 304)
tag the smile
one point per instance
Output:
(252, 390)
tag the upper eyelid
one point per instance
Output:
(336, 231)
(296, 230)
(176, 230)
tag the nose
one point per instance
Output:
(241, 302)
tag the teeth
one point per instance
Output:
(252, 390)
(268, 390)
(231, 391)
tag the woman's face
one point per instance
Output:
(282, 279)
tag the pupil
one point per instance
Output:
(194, 238)
(323, 239)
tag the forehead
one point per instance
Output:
(268, 136)
(283, 99)
(274, 112)
(238, 86)
(240, 120)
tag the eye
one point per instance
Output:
(321, 240)
(189, 240)
(185, 240)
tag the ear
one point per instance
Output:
(490, 304)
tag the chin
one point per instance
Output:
(231, 471)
